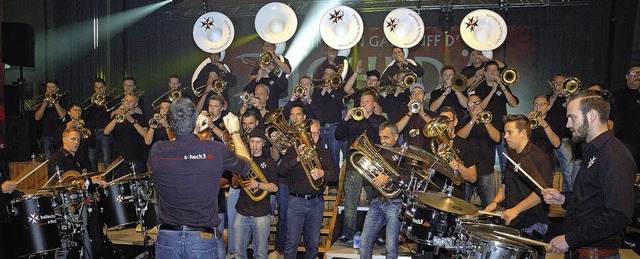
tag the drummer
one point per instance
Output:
(521, 197)
(65, 158)
(7, 193)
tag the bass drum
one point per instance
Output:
(487, 245)
(35, 225)
(422, 223)
(117, 204)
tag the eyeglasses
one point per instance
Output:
(315, 133)
(540, 104)
(473, 103)
(634, 73)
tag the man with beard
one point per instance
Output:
(601, 204)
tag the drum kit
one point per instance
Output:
(55, 220)
(434, 218)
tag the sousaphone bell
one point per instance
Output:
(276, 22)
(341, 27)
(483, 30)
(403, 28)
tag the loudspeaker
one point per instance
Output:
(18, 147)
(18, 44)
(13, 100)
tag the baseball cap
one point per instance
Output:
(416, 85)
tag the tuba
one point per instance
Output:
(438, 130)
(308, 156)
(341, 27)
(278, 131)
(256, 194)
(403, 28)
(369, 163)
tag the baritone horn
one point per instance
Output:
(256, 194)
(308, 156)
(370, 164)
(278, 131)
(438, 129)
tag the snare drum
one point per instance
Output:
(485, 244)
(422, 223)
(117, 204)
(35, 225)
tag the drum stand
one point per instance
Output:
(141, 201)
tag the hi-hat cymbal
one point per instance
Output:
(441, 201)
(437, 164)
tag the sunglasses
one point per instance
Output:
(473, 103)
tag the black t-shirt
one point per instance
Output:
(540, 139)
(416, 124)
(62, 160)
(627, 126)
(97, 117)
(330, 105)
(557, 117)
(203, 77)
(350, 130)
(50, 120)
(470, 71)
(319, 71)
(486, 148)
(395, 107)
(468, 152)
(497, 105)
(159, 134)
(278, 85)
(128, 142)
(245, 205)
(518, 187)
(450, 100)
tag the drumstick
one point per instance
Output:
(113, 165)
(120, 178)
(523, 172)
(522, 239)
(489, 213)
(32, 171)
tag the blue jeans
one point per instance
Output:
(501, 148)
(381, 213)
(281, 227)
(103, 146)
(538, 227)
(256, 228)
(47, 145)
(186, 244)
(485, 186)
(328, 138)
(222, 252)
(232, 200)
(303, 217)
(352, 189)
(567, 255)
(568, 166)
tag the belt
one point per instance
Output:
(330, 124)
(213, 231)
(593, 252)
(305, 196)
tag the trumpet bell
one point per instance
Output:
(358, 114)
(510, 76)
(276, 22)
(219, 86)
(403, 28)
(341, 27)
(299, 91)
(483, 30)
(571, 85)
(175, 95)
(485, 116)
(409, 79)
(213, 32)
(459, 83)
(415, 107)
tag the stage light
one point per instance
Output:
(446, 19)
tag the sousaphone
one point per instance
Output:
(213, 32)
(483, 30)
(341, 27)
(403, 28)
(276, 22)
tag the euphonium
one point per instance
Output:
(278, 131)
(485, 116)
(299, 91)
(571, 85)
(369, 163)
(459, 83)
(358, 114)
(415, 107)
(510, 76)
(438, 129)
(308, 156)
(256, 194)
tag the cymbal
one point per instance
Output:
(403, 152)
(133, 177)
(441, 201)
(437, 164)
(82, 177)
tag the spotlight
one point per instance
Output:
(446, 19)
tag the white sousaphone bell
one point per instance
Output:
(276, 22)
(341, 27)
(403, 28)
(213, 32)
(483, 30)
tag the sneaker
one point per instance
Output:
(231, 255)
(154, 230)
(275, 255)
(380, 241)
(345, 239)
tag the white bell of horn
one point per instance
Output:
(483, 30)
(403, 28)
(341, 27)
(213, 32)
(276, 22)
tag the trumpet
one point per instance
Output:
(245, 97)
(84, 132)
(299, 91)
(534, 121)
(510, 76)
(154, 123)
(120, 118)
(485, 116)
(415, 107)
(358, 114)
(571, 85)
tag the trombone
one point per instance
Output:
(173, 96)
(510, 76)
(265, 58)
(217, 86)
(119, 97)
(97, 99)
(459, 83)
(52, 98)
